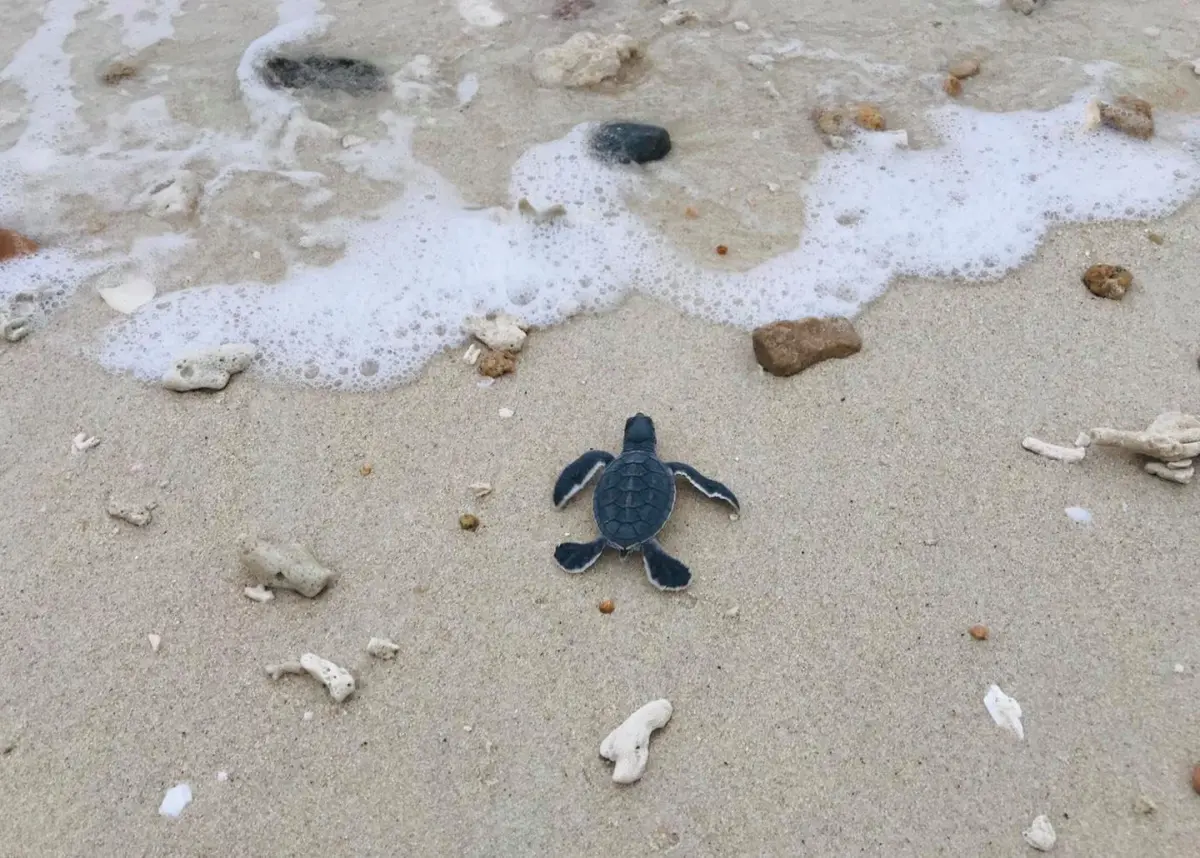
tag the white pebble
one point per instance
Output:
(1005, 711)
(352, 140)
(506, 412)
(1152, 32)
(1078, 515)
(382, 648)
(481, 489)
(308, 716)
(258, 593)
(82, 442)
(741, 26)
(222, 776)
(1040, 835)
(1179, 668)
(177, 798)
(155, 641)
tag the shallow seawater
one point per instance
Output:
(349, 236)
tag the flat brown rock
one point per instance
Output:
(786, 348)
(14, 244)
(1108, 281)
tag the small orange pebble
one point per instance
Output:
(1196, 777)
(980, 633)
(722, 250)
(691, 213)
(869, 116)
(607, 606)
(952, 86)
(365, 470)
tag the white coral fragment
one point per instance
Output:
(501, 331)
(629, 745)
(1172, 436)
(209, 369)
(1054, 451)
(1040, 834)
(83, 442)
(584, 59)
(337, 680)
(382, 648)
(283, 567)
(1005, 711)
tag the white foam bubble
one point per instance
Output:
(143, 22)
(974, 204)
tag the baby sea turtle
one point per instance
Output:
(632, 502)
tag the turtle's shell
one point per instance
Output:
(634, 498)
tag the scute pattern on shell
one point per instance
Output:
(634, 498)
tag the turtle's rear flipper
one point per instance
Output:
(578, 556)
(705, 485)
(663, 570)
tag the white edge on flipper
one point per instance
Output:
(655, 584)
(715, 495)
(584, 568)
(578, 487)
(629, 745)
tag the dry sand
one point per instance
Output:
(887, 507)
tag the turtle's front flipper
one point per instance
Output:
(707, 487)
(663, 570)
(578, 474)
(578, 556)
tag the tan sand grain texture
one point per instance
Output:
(887, 507)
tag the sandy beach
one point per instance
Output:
(828, 699)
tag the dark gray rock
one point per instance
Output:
(630, 142)
(322, 72)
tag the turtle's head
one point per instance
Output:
(639, 433)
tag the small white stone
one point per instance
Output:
(1196, 67)
(501, 332)
(177, 798)
(467, 89)
(308, 716)
(472, 354)
(1005, 711)
(352, 140)
(481, 489)
(83, 442)
(762, 62)
(733, 612)
(741, 26)
(1078, 514)
(1179, 668)
(676, 17)
(506, 412)
(155, 641)
(130, 295)
(1152, 32)
(1083, 439)
(733, 516)
(382, 648)
(222, 776)
(1040, 835)
(258, 593)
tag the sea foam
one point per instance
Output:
(974, 203)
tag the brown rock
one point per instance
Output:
(952, 86)
(607, 606)
(1108, 281)
(868, 116)
(497, 363)
(1196, 777)
(980, 633)
(964, 68)
(13, 244)
(117, 71)
(468, 522)
(786, 348)
(1133, 116)
(830, 121)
